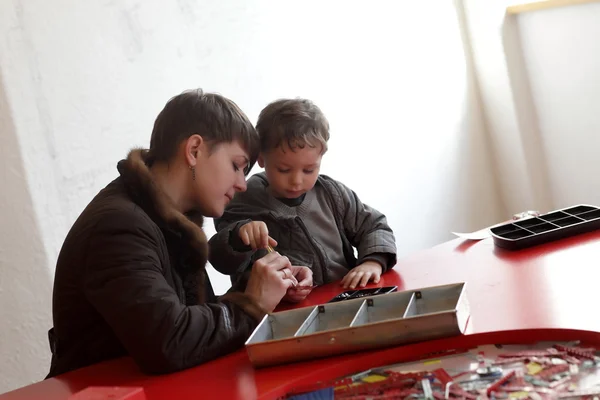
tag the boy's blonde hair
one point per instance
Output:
(297, 122)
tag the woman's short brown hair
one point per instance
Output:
(212, 116)
(297, 122)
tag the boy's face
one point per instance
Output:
(291, 173)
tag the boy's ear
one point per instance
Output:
(261, 161)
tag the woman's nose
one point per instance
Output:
(240, 184)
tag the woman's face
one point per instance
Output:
(219, 175)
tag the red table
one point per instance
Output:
(548, 292)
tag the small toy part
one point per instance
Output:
(520, 378)
(360, 293)
(519, 395)
(533, 368)
(489, 371)
(508, 360)
(427, 392)
(576, 352)
(557, 369)
(580, 393)
(442, 376)
(496, 385)
(557, 383)
(534, 353)
(525, 214)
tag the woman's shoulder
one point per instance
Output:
(114, 205)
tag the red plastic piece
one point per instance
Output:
(398, 385)
(508, 360)
(461, 393)
(442, 376)
(391, 383)
(390, 394)
(496, 385)
(110, 393)
(575, 351)
(572, 360)
(557, 369)
(520, 378)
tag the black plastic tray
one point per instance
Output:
(358, 293)
(554, 225)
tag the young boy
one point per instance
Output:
(312, 219)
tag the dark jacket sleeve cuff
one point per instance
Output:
(384, 259)
(246, 303)
(234, 238)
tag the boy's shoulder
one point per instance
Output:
(255, 196)
(337, 192)
(327, 178)
(257, 181)
(332, 184)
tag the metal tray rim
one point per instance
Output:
(363, 300)
(346, 328)
(255, 331)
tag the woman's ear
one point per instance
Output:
(261, 161)
(194, 146)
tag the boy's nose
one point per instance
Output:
(297, 179)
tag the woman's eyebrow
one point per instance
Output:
(243, 158)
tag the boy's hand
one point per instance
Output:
(256, 235)
(304, 287)
(362, 274)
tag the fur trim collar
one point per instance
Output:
(138, 179)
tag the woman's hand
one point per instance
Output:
(299, 292)
(270, 278)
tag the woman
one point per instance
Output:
(130, 277)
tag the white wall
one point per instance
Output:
(510, 122)
(84, 81)
(539, 81)
(563, 65)
(25, 283)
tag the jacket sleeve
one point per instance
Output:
(367, 229)
(124, 281)
(227, 254)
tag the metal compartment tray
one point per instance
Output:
(353, 325)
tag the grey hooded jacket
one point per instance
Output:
(322, 233)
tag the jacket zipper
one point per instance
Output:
(347, 247)
(315, 248)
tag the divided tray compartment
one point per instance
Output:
(548, 227)
(359, 324)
